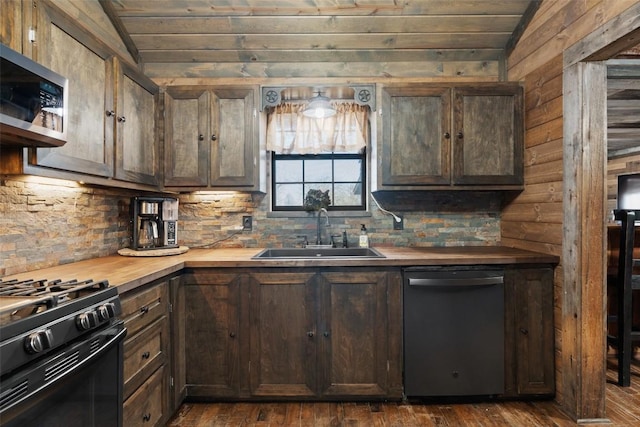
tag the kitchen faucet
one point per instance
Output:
(318, 234)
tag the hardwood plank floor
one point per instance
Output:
(622, 403)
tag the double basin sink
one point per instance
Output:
(315, 253)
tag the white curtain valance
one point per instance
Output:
(289, 131)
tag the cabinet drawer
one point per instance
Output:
(143, 354)
(144, 407)
(141, 309)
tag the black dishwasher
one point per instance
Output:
(453, 331)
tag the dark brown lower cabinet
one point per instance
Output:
(292, 333)
(283, 337)
(529, 338)
(146, 372)
(359, 334)
(209, 303)
(330, 333)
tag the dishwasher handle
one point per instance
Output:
(456, 281)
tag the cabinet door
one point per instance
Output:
(529, 329)
(211, 334)
(354, 331)
(234, 138)
(488, 135)
(415, 136)
(283, 339)
(69, 52)
(186, 137)
(135, 126)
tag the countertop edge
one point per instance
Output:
(128, 273)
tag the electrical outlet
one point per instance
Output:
(398, 225)
(247, 222)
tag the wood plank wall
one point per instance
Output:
(537, 60)
(534, 219)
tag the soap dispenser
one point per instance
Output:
(364, 237)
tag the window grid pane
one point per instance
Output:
(341, 174)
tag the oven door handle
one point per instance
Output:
(104, 348)
(108, 345)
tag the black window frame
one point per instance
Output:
(362, 156)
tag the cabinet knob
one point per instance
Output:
(310, 334)
(232, 334)
(110, 113)
(460, 135)
(122, 119)
(146, 355)
(146, 417)
(201, 137)
(447, 135)
(326, 333)
(144, 309)
(214, 137)
(524, 331)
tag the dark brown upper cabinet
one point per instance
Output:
(442, 137)
(111, 123)
(211, 138)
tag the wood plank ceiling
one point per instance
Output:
(283, 39)
(319, 38)
(623, 104)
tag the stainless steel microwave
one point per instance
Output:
(33, 102)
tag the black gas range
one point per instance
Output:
(60, 352)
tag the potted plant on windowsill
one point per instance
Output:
(316, 200)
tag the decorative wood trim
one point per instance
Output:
(617, 35)
(363, 95)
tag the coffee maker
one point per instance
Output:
(154, 223)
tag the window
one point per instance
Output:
(342, 174)
(318, 154)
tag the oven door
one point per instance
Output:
(80, 385)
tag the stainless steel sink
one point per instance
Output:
(314, 253)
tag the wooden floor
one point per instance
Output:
(623, 409)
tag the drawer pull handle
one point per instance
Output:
(310, 334)
(232, 334)
(523, 331)
(144, 310)
(146, 417)
(146, 355)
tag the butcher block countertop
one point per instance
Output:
(127, 273)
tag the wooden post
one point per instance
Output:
(583, 301)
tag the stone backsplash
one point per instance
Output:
(47, 222)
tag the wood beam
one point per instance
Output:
(111, 13)
(522, 26)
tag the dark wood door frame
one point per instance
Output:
(583, 360)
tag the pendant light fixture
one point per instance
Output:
(319, 107)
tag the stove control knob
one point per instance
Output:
(87, 320)
(38, 341)
(106, 311)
